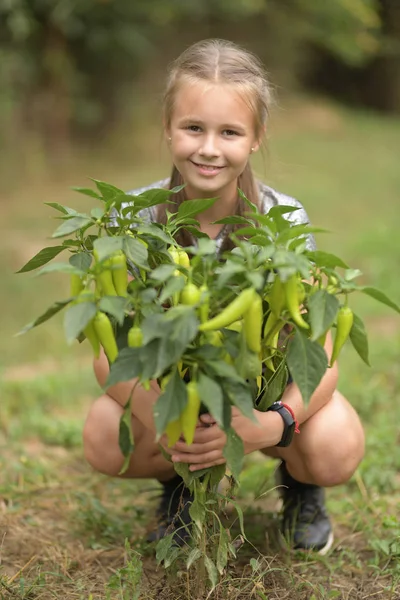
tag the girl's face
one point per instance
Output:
(212, 134)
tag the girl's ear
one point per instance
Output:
(258, 142)
(167, 131)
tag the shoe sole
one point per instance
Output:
(285, 545)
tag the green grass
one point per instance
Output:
(64, 527)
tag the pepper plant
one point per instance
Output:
(216, 330)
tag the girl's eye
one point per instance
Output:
(194, 128)
(230, 132)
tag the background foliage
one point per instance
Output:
(63, 526)
(75, 70)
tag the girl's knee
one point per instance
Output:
(334, 445)
(100, 436)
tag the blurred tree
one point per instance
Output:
(68, 66)
(373, 82)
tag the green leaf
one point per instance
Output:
(170, 403)
(240, 396)
(307, 363)
(275, 388)
(351, 274)
(57, 206)
(97, 212)
(135, 252)
(206, 247)
(81, 261)
(194, 555)
(222, 551)
(86, 192)
(115, 306)
(41, 258)
(126, 366)
(224, 370)
(76, 318)
(381, 297)
(211, 396)
(107, 246)
(234, 452)
(154, 231)
(107, 190)
(156, 196)
(253, 207)
(322, 310)
(359, 339)
(164, 546)
(255, 279)
(211, 571)
(174, 285)
(59, 268)
(325, 259)
(298, 231)
(72, 225)
(191, 208)
(125, 435)
(197, 512)
(50, 312)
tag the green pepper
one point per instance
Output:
(252, 324)
(119, 273)
(76, 284)
(86, 295)
(190, 294)
(204, 307)
(250, 365)
(292, 301)
(236, 309)
(91, 336)
(190, 414)
(105, 333)
(276, 297)
(344, 323)
(184, 259)
(104, 277)
(135, 337)
(173, 431)
(174, 253)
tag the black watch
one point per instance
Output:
(288, 420)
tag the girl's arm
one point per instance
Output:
(142, 400)
(207, 449)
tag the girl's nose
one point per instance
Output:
(209, 147)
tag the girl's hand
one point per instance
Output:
(206, 450)
(209, 441)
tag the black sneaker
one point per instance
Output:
(173, 512)
(305, 523)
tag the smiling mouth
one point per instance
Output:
(207, 167)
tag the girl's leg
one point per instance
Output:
(100, 436)
(329, 447)
(100, 442)
(325, 453)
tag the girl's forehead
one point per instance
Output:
(212, 101)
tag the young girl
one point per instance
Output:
(216, 106)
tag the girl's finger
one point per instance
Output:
(195, 448)
(197, 458)
(220, 461)
(207, 419)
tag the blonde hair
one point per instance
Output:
(219, 61)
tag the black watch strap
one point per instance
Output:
(290, 424)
